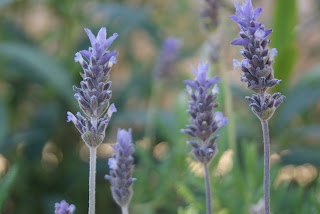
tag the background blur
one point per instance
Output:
(43, 160)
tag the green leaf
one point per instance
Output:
(283, 38)
(41, 65)
(303, 96)
(3, 120)
(7, 183)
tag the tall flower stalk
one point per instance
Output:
(259, 75)
(162, 70)
(121, 168)
(93, 97)
(204, 123)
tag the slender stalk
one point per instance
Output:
(125, 210)
(152, 108)
(208, 188)
(92, 180)
(266, 139)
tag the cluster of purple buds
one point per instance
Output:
(64, 208)
(204, 123)
(94, 94)
(168, 55)
(121, 168)
(210, 14)
(257, 60)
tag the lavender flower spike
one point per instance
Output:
(64, 208)
(94, 94)
(257, 60)
(93, 97)
(121, 168)
(259, 75)
(168, 55)
(204, 123)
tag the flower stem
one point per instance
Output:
(92, 180)
(125, 210)
(208, 188)
(266, 139)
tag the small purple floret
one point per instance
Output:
(64, 208)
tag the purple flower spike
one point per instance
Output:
(204, 123)
(167, 57)
(64, 208)
(257, 63)
(94, 94)
(121, 168)
(210, 14)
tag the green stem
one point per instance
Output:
(208, 188)
(92, 180)
(266, 140)
(125, 210)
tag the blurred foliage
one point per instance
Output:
(284, 39)
(43, 161)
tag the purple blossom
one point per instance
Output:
(167, 57)
(64, 208)
(210, 14)
(121, 168)
(94, 94)
(204, 123)
(257, 59)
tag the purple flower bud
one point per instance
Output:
(121, 168)
(260, 34)
(64, 208)
(274, 52)
(221, 121)
(236, 63)
(71, 117)
(215, 89)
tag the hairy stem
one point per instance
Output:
(266, 139)
(208, 188)
(92, 180)
(125, 210)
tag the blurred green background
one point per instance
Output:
(43, 160)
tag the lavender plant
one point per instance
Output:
(121, 168)
(258, 74)
(204, 123)
(210, 14)
(163, 68)
(64, 208)
(93, 97)
(167, 57)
